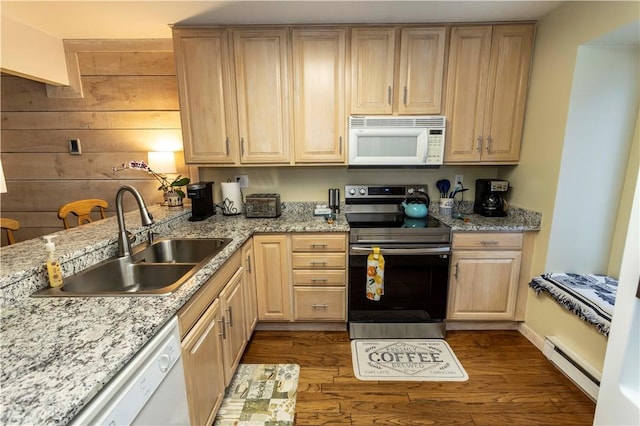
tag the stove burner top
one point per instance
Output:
(375, 214)
(390, 220)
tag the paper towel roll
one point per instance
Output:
(231, 198)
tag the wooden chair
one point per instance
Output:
(9, 225)
(82, 209)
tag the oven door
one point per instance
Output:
(414, 302)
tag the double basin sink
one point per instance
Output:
(157, 269)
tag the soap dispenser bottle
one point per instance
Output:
(53, 266)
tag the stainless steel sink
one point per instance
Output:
(189, 250)
(158, 269)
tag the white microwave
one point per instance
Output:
(396, 141)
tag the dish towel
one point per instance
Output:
(375, 275)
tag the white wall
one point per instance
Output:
(602, 114)
(45, 61)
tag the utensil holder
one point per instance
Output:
(446, 206)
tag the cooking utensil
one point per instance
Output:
(456, 191)
(443, 186)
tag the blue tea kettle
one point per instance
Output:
(416, 208)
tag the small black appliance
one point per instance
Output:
(490, 200)
(201, 195)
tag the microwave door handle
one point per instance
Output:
(407, 251)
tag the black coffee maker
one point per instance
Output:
(201, 195)
(490, 200)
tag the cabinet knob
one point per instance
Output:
(389, 95)
(318, 262)
(489, 242)
(404, 96)
(319, 306)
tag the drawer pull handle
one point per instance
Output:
(230, 319)
(489, 242)
(318, 245)
(223, 334)
(318, 262)
(455, 274)
(319, 280)
(319, 306)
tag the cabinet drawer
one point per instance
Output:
(318, 278)
(320, 304)
(487, 240)
(319, 260)
(319, 242)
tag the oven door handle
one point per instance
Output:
(406, 251)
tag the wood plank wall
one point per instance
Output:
(130, 103)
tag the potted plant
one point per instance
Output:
(172, 192)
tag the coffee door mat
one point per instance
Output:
(260, 394)
(399, 360)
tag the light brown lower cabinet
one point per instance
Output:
(319, 264)
(250, 294)
(301, 277)
(483, 283)
(203, 366)
(233, 337)
(273, 267)
(212, 327)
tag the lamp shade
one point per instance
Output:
(162, 161)
(3, 183)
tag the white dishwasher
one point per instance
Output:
(150, 390)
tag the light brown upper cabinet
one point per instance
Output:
(419, 61)
(487, 81)
(319, 113)
(261, 60)
(207, 96)
(234, 95)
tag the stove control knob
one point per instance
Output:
(363, 191)
(410, 191)
(352, 191)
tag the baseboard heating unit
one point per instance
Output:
(572, 365)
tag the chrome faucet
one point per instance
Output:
(124, 244)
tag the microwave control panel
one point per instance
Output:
(435, 146)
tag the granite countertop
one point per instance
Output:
(58, 353)
(517, 219)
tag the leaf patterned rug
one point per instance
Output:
(260, 394)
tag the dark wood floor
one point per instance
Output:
(510, 383)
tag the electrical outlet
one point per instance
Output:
(459, 181)
(243, 180)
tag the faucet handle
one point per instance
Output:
(151, 236)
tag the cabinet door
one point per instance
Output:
(273, 268)
(421, 70)
(203, 366)
(372, 67)
(262, 87)
(207, 96)
(483, 285)
(469, 52)
(251, 305)
(319, 113)
(232, 298)
(508, 79)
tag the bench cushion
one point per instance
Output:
(590, 296)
